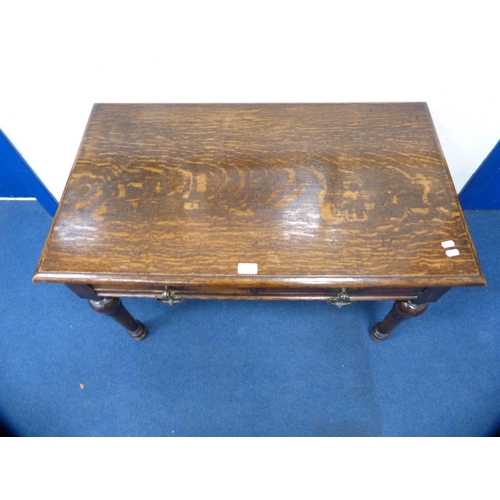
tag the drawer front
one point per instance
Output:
(253, 293)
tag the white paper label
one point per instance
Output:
(448, 244)
(248, 268)
(452, 253)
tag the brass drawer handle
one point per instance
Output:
(341, 299)
(170, 298)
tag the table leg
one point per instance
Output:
(401, 311)
(113, 307)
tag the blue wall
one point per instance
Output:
(10, 187)
(17, 180)
(482, 192)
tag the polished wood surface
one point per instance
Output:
(317, 195)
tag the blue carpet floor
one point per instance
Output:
(237, 368)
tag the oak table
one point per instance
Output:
(332, 202)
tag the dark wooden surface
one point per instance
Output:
(113, 307)
(318, 195)
(401, 311)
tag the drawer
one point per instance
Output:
(258, 293)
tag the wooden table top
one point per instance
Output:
(326, 194)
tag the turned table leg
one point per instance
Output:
(401, 311)
(113, 307)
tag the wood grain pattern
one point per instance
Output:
(318, 195)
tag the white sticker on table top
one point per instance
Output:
(452, 253)
(247, 268)
(448, 244)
